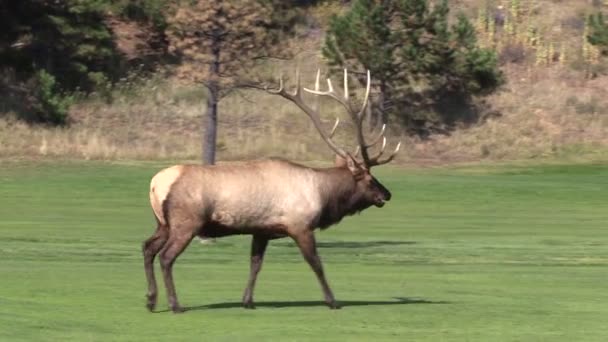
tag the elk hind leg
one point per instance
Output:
(258, 247)
(176, 244)
(150, 248)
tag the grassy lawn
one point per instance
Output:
(486, 253)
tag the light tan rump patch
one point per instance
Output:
(159, 189)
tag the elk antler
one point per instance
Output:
(313, 113)
(356, 116)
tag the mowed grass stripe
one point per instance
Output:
(500, 253)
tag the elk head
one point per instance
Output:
(369, 191)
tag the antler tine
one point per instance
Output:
(372, 161)
(376, 162)
(296, 92)
(345, 84)
(377, 139)
(357, 117)
(333, 94)
(278, 91)
(381, 152)
(358, 121)
(391, 157)
(282, 91)
(313, 114)
(368, 87)
(329, 87)
(316, 103)
(333, 130)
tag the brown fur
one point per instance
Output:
(267, 199)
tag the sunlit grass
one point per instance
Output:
(499, 253)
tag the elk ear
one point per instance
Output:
(352, 165)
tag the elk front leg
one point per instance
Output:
(306, 242)
(258, 247)
(172, 249)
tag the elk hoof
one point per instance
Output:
(249, 305)
(334, 305)
(151, 304)
(178, 309)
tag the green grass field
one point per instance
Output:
(485, 253)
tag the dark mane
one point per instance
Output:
(339, 196)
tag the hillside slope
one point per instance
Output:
(554, 105)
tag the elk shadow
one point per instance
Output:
(362, 244)
(351, 244)
(343, 303)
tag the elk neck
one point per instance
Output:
(338, 190)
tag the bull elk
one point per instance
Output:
(267, 199)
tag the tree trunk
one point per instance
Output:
(378, 114)
(383, 115)
(210, 124)
(213, 98)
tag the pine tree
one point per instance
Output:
(598, 32)
(362, 39)
(69, 39)
(413, 54)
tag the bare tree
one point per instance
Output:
(218, 43)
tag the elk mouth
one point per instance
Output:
(379, 202)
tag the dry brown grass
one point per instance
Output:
(539, 119)
(161, 120)
(546, 112)
(553, 114)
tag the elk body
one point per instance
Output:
(267, 199)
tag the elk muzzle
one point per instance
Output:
(381, 195)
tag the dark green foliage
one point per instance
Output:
(416, 58)
(598, 33)
(72, 43)
(56, 46)
(51, 105)
(69, 39)
(286, 16)
(150, 11)
(475, 68)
